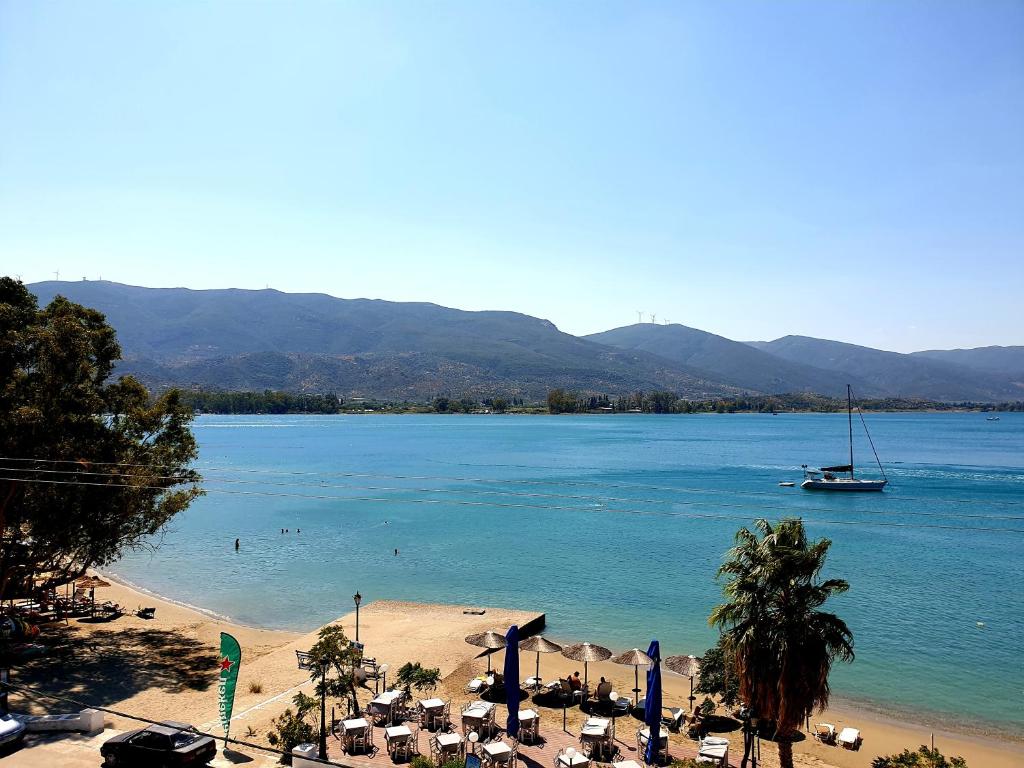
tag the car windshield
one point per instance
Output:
(183, 739)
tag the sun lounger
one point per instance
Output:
(849, 738)
(825, 733)
(146, 613)
(303, 658)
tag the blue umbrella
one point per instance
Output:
(512, 680)
(652, 707)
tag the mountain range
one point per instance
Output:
(266, 339)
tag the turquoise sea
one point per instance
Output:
(615, 525)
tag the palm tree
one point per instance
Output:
(782, 644)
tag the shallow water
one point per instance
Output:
(615, 526)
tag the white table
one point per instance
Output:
(388, 697)
(527, 714)
(397, 731)
(497, 748)
(717, 752)
(577, 760)
(355, 724)
(432, 703)
(448, 739)
(432, 708)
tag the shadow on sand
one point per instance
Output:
(106, 667)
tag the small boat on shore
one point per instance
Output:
(826, 479)
(786, 484)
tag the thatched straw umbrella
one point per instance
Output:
(687, 666)
(490, 640)
(540, 644)
(586, 653)
(91, 583)
(634, 658)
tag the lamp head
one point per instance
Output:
(474, 736)
(358, 598)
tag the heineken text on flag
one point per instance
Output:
(230, 658)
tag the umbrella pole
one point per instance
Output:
(536, 675)
(636, 685)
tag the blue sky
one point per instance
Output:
(851, 170)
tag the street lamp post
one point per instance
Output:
(358, 599)
(322, 747)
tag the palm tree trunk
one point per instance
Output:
(785, 751)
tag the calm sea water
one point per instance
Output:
(615, 526)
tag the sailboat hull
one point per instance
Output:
(842, 484)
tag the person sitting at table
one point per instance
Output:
(575, 683)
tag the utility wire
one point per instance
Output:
(500, 493)
(29, 692)
(509, 481)
(507, 505)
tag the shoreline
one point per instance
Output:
(841, 709)
(172, 659)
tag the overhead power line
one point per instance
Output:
(507, 505)
(505, 481)
(499, 493)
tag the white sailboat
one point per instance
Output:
(827, 478)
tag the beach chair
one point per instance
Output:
(849, 738)
(643, 735)
(825, 733)
(673, 718)
(714, 750)
(603, 695)
(303, 659)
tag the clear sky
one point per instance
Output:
(851, 170)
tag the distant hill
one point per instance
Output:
(1005, 360)
(895, 374)
(732, 362)
(239, 339)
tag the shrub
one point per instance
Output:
(255, 687)
(455, 764)
(684, 762)
(289, 730)
(419, 761)
(414, 675)
(922, 758)
(707, 707)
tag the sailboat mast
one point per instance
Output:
(849, 420)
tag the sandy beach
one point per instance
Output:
(165, 667)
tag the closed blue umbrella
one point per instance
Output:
(512, 680)
(652, 707)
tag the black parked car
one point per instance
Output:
(167, 745)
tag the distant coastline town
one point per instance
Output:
(559, 401)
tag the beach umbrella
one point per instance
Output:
(540, 644)
(652, 705)
(511, 673)
(586, 652)
(490, 640)
(634, 658)
(91, 583)
(687, 666)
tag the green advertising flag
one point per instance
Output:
(230, 658)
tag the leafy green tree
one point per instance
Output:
(292, 728)
(783, 646)
(414, 675)
(332, 660)
(91, 467)
(922, 758)
(718, 674)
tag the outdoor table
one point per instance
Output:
(449, 740)
(431, 708)
(351, 727)
(645, 735)
(529, 725)
(396, 733)
(717, 752)
(497, 748)
(577, 760)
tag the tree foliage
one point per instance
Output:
(293, 728)
(922, 758)
(414, 675)
(782, 645)
(718, 674)
(88, 467)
